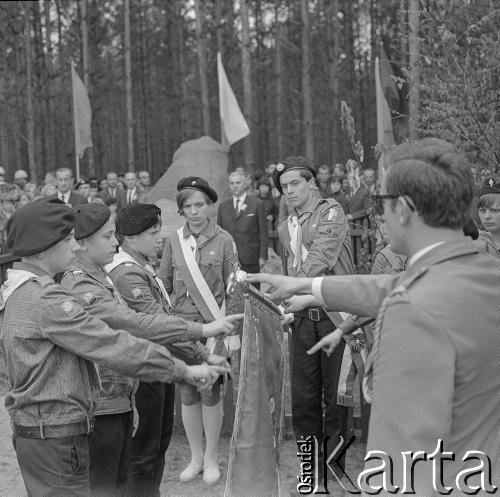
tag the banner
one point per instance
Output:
(81, 113)
(233, 124)
(253, 467)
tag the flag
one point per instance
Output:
(82, 114)
(385, 136)
(254, 450)
(233, 124)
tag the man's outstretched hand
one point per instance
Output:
(282, 287)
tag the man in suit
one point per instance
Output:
(433, 375)
(131, 190)
(244, 217)
(64, 178)
(113, 191)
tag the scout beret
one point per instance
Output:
(195, 183)
(290, 164)
(136, 218)
(38, 226)
(490, 186)
(89, 219)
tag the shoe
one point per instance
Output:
(211, 474)
(190, 473)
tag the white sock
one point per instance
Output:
(193, 424)
(212, 423)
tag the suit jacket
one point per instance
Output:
(75, 198)
(121, 197)
(360, 202)
(248, 228)
(436, 374)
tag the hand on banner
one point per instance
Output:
(298, 303)
(328, 343)
(223, 326)
(203, 376)
(217, 360)
(282, 287)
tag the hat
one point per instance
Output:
(290, 164)
(195, 183)
(136, 218)
(20, 173)
(89, 219)
(38, 226)
(490, 186)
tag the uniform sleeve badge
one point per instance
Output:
(89, 298)
(137, 293)
(69, 308)
(332, 215)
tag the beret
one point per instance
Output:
(136, 218)
(290, 164)
(490, 186)
(195, 183)
(89, 219)
(38, 226)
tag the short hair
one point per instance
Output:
(486, 201)
(436, 177)
(143, 171)
(324, 166)
(370, 169)
(236, 172)
(185, 194)
(64, 170)
(336, 179)
(108, 173)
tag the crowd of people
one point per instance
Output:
(94, 337)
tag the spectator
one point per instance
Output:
(337, 193)
(83, 188)
(346, 187)
(370, 180)
(489, 214)
(323, 180)
(131, 190)
(23, 200)
(20, 178)
(111, 190)
(340, 171)
(48, 190)
(103, 183)
(2, 176)
(64, 177)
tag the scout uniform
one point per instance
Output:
(111, 438)
(49, 344)
(144, 292)
(440, 366)
(315, 242)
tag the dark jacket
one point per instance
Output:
(120, 195)
(248, 229)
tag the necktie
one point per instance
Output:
(113, 193)
(129, 200)
(237, 207)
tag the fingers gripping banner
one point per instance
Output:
(253, 467)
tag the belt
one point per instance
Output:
(312, 313)
(54, 431)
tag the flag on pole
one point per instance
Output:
(385, 136)
(82, 114)
(233, 124)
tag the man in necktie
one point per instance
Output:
(113, 191)
(64, 178)
(316, 241)
(131, 187)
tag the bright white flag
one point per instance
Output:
(233, 124)
(82, 114)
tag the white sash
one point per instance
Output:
(231, 342)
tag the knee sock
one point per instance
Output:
(212, 423)
(193, 424)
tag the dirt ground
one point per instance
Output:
(11, 483)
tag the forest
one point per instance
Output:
(300, 70)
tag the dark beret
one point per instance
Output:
(290, 164)
(136, 218)
(38, 226)
(195, 183)
(490, 186)
(89, 219)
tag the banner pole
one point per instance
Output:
(75, 121)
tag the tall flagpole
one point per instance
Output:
(75, 121)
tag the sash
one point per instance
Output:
(15, 278)
(198, 288)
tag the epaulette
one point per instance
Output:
(44, 280)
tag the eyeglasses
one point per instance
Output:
(378, 202)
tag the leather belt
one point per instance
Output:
(312, 313)
(54, 431)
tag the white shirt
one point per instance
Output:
(131, 195)
(241, 199)
(64, 196)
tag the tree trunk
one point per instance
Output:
(202, 65)
(246, 70)
(86, 74)
(51, 159)
(218, 23)
(30, 119)
(128, 91)
(414, 42)
(307, 113)
(278, 72)
(403, 49)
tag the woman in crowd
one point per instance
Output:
(489, 214)
(196, 263)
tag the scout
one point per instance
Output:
(49, 344)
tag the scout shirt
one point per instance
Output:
(217, 258)
(140, 290)
(49, 344)
(324, 235)
(436, 372)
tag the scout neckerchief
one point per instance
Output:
(196, 285)
(122, 257)
(299, 251)
(15, 278)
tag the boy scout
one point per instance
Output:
(434, 374)
(49, 342)
(316, 241)
(110, 440)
